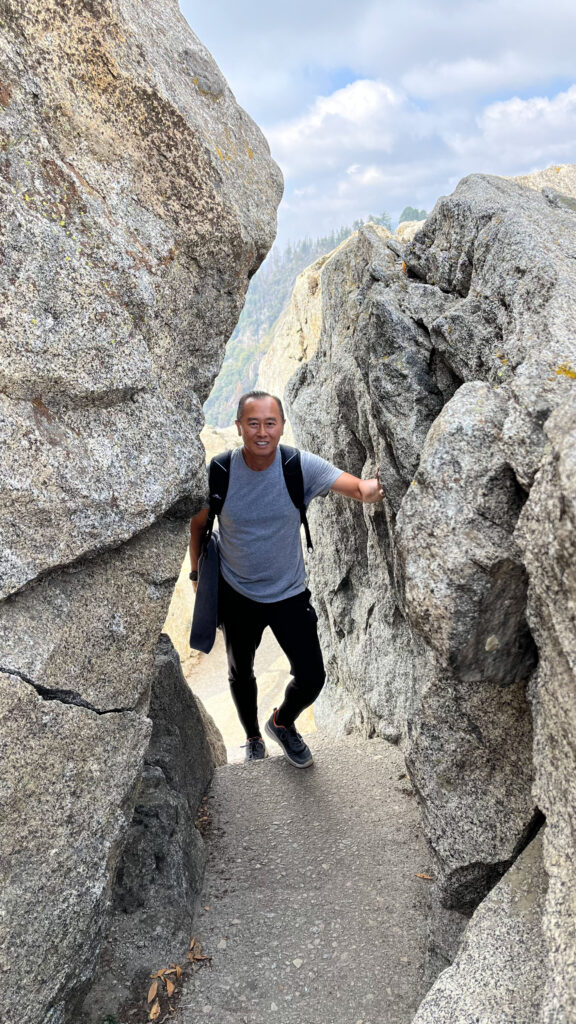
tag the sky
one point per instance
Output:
(369, 106)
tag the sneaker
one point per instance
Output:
(255, 749)
(293, 746)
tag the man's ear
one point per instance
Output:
(237, 422)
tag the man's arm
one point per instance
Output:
(196, 530)
(362, 490)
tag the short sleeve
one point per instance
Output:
(319, 476)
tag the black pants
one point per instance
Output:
(293, 623)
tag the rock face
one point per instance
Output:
(499, 973)
(451, 363)
(68, 783)
(298, 329)
(161, 868)
(407, 229)
(547, 537)
(137, 201)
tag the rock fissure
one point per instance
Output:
(63, 696)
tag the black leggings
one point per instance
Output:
(293, 623)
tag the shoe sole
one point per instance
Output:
(296, 764)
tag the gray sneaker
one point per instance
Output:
(293, 746)
(255, 749)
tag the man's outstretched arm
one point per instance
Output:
(362, 490)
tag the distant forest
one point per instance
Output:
(268, 293)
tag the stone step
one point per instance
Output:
(316, 914)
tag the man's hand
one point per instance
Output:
(373, 489)
(350, 486)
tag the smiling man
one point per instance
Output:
(262, 579)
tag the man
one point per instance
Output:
(262, 579)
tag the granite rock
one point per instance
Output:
(499, 973)
(351, 567)
(407, 229)
(68, 782)
(559, 177)
(162, 864)
(138, 199)
(546, 536)
(90, 629)
(468, 600)
(450, 362)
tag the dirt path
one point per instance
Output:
(312, 909)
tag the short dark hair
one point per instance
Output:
(257, 394)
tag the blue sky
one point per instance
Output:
(370, 106)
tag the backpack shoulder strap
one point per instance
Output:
(218, 480)
(294, 480)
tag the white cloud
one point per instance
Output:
(367, 148)
(469, 75)
(536, 131)
(428, 47)
(359, 118)
(370, 104)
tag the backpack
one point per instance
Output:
(219, 478)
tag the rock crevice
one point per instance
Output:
(62, 696)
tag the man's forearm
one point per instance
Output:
(195, 541)
(361, 490)
(197, 527)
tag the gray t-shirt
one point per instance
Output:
(259, 527)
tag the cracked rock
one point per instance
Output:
(67, 788)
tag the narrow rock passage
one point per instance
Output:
(312, 910)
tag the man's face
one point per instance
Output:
(261, 426)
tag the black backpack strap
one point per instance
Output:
(218, 480)
(294, 479)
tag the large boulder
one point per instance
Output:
(138, 200)
(547, 536)
(297, 331)
(68, 783)
(162, 864)
(450, 362)
(499, 973)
